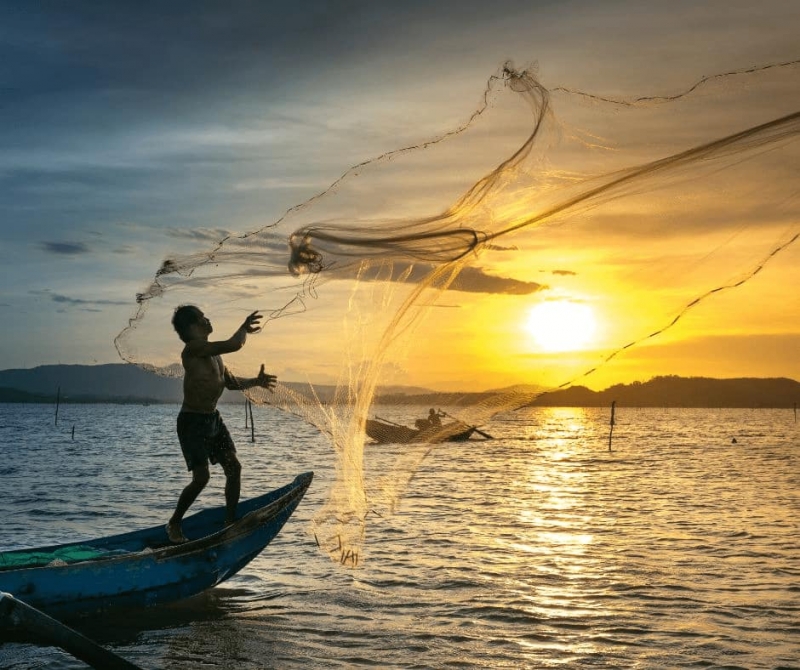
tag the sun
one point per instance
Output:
(561, 325)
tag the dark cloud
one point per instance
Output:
(90, 305)
(475, 280)
(469, 280)
(564, 273)
(499, 247)
(64, 248)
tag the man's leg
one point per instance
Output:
(233, 483)
(200, 476)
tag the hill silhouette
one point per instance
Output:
(112, 383)
(115, 382)
(673, 391)
(118, 382)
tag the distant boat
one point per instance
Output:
(387, 433)
(142, 568)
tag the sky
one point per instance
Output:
(130, 132)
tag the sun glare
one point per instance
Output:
(561, 325)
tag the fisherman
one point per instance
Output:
(202, 433)
(433, 420)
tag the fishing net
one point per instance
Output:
(557, 237)
(59, 556)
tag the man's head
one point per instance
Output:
(185, 320)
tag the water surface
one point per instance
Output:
(541, 548)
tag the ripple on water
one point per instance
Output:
(539, 548)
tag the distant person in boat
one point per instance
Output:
(433, 420)
(201, 431)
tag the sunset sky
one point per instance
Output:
(134, 131)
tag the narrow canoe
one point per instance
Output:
(386, 433)
(141, 568)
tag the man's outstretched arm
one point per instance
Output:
(264, 380)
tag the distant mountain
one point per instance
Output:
(673, 391)
(86, 383)
(119, 382)
(520, 389)
(127, 383)
(403, 390)
(668, 391)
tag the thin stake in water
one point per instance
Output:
(252, 425)
(611, 430)
(58, 399)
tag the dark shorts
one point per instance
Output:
(203, 438)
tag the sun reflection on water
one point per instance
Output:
(556, 514)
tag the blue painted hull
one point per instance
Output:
(141, 568)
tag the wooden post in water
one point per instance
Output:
(252, 425)
(611, 430)
(73, 432)
(58, 399)
(246, 407)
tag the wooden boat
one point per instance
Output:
(142, 568)
(17, 616)
(386, 433)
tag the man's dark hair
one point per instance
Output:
(185, 317)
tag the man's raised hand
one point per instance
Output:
(252, 324)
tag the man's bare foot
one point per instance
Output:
(229, 522)
(175, 533)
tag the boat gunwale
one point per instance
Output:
(243, 526)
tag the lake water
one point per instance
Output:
(538, 549)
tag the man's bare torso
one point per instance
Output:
(203, 382)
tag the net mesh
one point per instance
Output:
(655, 215)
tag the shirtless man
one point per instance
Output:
(434, 418)
(201, 431)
